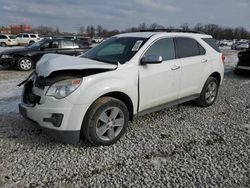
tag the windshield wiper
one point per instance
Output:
(105, 61)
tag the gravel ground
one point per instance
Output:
(183, 146)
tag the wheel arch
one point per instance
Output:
(217, 76)
(124, 98)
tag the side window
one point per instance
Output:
(51, 44)
(201, 49)
(33, 36)
(54, 44)
(76, 45)
(163, 47)
(25, 36)
(187, 47)
(20, 36)
(67, 44)
(3, 37)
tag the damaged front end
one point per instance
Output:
(35, 87)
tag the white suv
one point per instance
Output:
(7, 40)
(96, 94)
(27, 38)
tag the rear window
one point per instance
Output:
(212, 42)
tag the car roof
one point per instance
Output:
(150, 34)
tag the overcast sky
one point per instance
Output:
(120, 14)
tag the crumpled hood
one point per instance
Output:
(53, 62)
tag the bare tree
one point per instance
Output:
(156, 26)
(81, 30)
(142, 26)
(99, 30)
(92, 31)
(185, 27)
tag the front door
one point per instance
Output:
(159, 83)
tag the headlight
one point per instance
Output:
(64, 88)
(6, 56)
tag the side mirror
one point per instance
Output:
(151, 59)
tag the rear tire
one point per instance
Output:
(105, 121)
(25, 64)
(209, 92)
(236, 71)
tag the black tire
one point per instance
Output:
(204, 100)
(3, 44)
(25, 64)
(92, 121)
(236, 71)
(31, 42)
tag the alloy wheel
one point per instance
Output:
(211, 92)
(25, 64)
(110, 123)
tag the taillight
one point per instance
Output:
(223, 57)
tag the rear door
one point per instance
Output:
(159, 83)
(193, 59)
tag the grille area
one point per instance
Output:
(30, 98)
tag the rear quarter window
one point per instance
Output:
(212, 42)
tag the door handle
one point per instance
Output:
(204, 60)
(175, 67)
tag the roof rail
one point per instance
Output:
(172, 30)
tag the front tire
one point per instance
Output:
(31, 42)
(209, 92)
(3, 44)
(25, 64)
(105, 121)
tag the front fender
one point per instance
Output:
(95, 86)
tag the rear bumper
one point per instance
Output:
(64, 136)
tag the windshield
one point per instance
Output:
(116, 50)
(36, 44)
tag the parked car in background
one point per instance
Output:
(86, 41)
(240, 45)
(225, 43)
(96, 94)
(97, 39)
(8, 40)
(243, 65)
(26, 58)
(27, 38)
